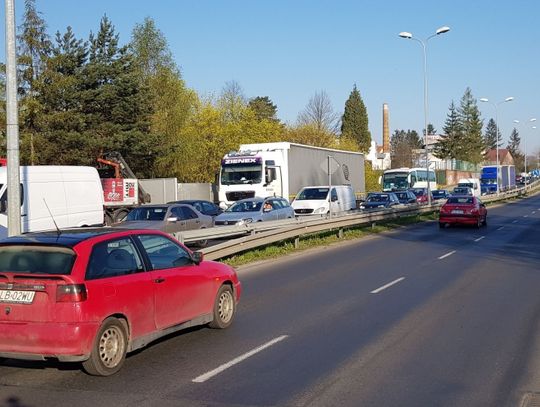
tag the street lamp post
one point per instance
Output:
(496, 105)
(423, 43)
(525, 151)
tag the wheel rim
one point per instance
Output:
(225, 306)
(111, 346)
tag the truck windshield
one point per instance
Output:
(241, 174)
(312, 193)
(395, 180)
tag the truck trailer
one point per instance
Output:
(282, 169)
(492, 175)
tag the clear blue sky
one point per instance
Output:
(288, 50)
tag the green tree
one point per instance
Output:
(319, 113)
(471, 125)
(402, 146)
(264, 108)
(449, 146)
(514, 148)
(310, 134)
(492, 135)
(232, 101)
(354, 122)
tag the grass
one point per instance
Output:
(322, 239)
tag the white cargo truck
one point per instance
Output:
(282, 169)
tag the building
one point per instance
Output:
(380, 155)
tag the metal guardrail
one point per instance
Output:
(253, 235)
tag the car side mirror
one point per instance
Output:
(334, 198)
(197, 257)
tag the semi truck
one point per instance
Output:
(503, 176)
(283, 168)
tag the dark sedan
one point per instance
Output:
(380, 200)
(406, 197)
(204, 207)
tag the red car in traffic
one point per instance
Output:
(466, 209)
(93, 295)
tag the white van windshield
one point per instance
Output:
(312, 193)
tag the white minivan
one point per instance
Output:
(73, 195)
(313, 200)
(473, 183)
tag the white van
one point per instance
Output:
(313, 200)
(473, 183)
(73, 194)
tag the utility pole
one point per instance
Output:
(12, 121)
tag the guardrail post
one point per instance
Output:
(297, 242)
(340, 233)
(372, 225)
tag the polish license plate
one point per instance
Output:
(17, 296)
(457, 212)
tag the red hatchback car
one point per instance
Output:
(93, 295)
(468, 210)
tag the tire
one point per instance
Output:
(108, 219)
(120, 215)
(224, 308)
(109, 349)
(479, 223)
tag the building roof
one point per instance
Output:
(504, 156)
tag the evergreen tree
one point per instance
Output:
(469, 116)
(264, 108)
(354, 122)
(514, 148)
(431, 130)
(448, 147)
(492, 135)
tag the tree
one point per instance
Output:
(264, 108)
(319, 113)
(471, 126)
(354, 122)
(492, 136)
(514, 148)
(232, 101)
(311, 135)
(431, 130)
(450, 144)
(402, 146)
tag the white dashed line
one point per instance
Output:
(204, 377)
(447, 254)
(533, 212)
(480, 238)
(384, 287)
(501, 228)
(514, 221)
(525, 216)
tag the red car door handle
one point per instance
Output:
(159, 280)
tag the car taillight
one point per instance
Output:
(71, 293)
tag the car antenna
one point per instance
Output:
(52, 217)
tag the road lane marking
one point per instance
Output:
(480, 238)
(447, 254)
(204, 377)
(525, 216)
(533, 212)
(514, 221)
(501, 228)
(384, 287)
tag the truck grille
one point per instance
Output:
(303, 211)
(237, 195)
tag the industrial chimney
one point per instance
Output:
(386, 131)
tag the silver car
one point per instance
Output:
(255, 210)
(168, 218)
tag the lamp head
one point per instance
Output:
(442, 30)
(405, 34)
(509, 99)
(516, 121)
(533, 119)
(484, 100)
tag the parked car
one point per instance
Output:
(406, 197)
(462, 191)
(379, 200)
(93, 295)
(464, 209)
(440, 194)
(255, 210)
(204, 207)
(421, 195)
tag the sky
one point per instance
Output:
(289, 50)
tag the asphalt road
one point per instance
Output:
(415, 317)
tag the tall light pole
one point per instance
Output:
(525, 150)
(496, 105)
(423, 43)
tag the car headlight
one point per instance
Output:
(381, 206)
(244, 221)
(362, 207)
(322, 209)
